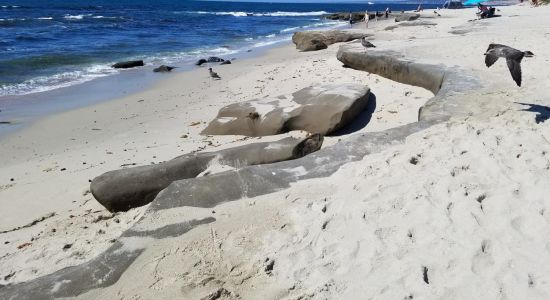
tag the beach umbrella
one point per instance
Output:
(473, 2)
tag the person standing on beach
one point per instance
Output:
(387, 12)
(366, 19)
(350, 19)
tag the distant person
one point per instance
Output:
(366, 19)
(483, 11)
(387, 13)
(350, 19)
(376, 16)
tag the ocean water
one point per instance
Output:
(48, 44)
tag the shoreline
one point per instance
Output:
(22, 110)
(87, 116)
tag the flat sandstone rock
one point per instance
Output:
(318, 40)
(318, 109)
(406, 17)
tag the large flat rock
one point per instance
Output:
(319, 109)
(406, 17)
(318, 40)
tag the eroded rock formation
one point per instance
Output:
(406, 17)
(318, 40)
(318, 109)
(123, 189)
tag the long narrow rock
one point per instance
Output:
(123, 189)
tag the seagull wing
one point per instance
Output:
(515, 70)
(490, 59)
(492, 46)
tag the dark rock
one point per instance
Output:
(318, 109)
(215, 59)
(226, 62)
(163, 68)
(201, 61)
(128, 64)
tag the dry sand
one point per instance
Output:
(457, 211)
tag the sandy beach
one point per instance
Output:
(458, 210)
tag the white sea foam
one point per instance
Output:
(266, 14)
(76, 17)
(292, 14)
(327, 24)
(45, 18)
(65, 79)
(290, 29)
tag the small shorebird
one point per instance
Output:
(366, 43)
(214, 74)
(513, 59)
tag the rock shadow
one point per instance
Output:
(361, 121)
(542, 112)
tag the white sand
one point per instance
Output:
(471, 213)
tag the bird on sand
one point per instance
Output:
(366, 43)
(214, 74)
(513, 59)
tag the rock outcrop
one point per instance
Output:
(355, 16)
(318, 109)
(406, 17)
(124, 189)
(409, 24)
(318, 40)
(128, 64)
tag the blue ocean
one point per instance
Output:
(48, 44)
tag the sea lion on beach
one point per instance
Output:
(128, 64)
(201, 61)
(513, 58)
(163, 68)
(214, 74)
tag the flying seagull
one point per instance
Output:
(513, 59)
(214, 74)
(366, 43)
